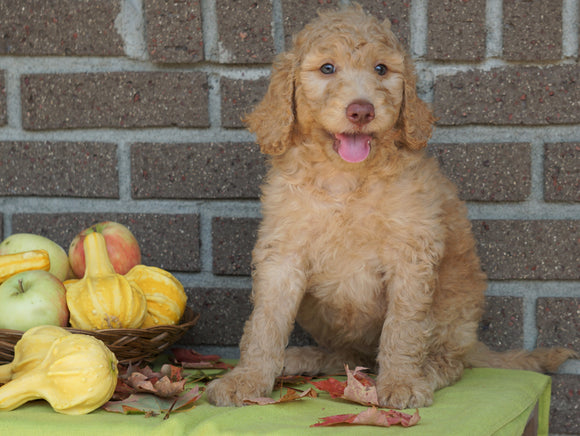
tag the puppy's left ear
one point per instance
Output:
(273, 118)
(415, 118)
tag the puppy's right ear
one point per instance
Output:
(273, 118)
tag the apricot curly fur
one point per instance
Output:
(375, 259)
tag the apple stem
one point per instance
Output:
(20, 287)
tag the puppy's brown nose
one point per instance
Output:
(360, 112)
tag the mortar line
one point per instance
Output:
(570, 23)
(494, 30)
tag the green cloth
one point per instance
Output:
(483, 402)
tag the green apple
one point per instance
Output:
(59, 265)
(32, 298)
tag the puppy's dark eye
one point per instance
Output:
(381, 69)
(327, 69)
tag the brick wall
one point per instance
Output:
(129, 110)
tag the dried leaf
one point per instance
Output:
(152, 405)
(291, 395)
(167, 383)
(191, 359)
(285, 380)
(372, 416)
(358, 388)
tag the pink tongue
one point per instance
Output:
(353, 148)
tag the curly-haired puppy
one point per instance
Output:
(363, 241)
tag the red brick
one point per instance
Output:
(456, 30)
(528, 250)
(117, 99)
(396, 11)
(487, 172)
(509, 96)
(238, 99)
(174, 31)
(532, 30)
(229, 170)
(297, 13)
(60, 27)
(168, 241)
(562, 172)
(245, 31)
(59, 169)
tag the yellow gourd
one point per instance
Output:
(102, 298)
(30, 350)
(165, 296)
(77, 376)
(12, 264)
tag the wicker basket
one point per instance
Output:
(129, 345)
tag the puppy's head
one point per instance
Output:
(347, 83)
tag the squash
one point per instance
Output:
(166, 298)
(102, 298)
(30, 350)
(77, 376)
(12, 264)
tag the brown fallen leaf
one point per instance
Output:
(285, 380)
(166, 383)
(291, 395)
(152, 405)
(191, 359)
(372, 416)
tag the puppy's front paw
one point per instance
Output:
(407, 394)
(236, 386)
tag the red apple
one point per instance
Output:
(122, 248)
(32, 298)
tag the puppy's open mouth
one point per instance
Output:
(352, 148)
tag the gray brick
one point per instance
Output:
(239, 98)
(565, 404)
(532, 30)
(297, 13)
(60, 28)
(245, 31)
(59, 169)
(168, 241)
(223, 313)
(3, 110)
(502, 324)
(229, 170)
(562, 172)
(509, 96)
(116, 99)
(233, 240)
(174, 31)
(529, 250)
(558, 321)
(456, 30)
(396, 11)
(487, 172)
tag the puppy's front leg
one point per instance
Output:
(277, 292)
(401, 382)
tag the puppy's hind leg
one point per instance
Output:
(316, 360)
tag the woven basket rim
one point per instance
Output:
(129, 345)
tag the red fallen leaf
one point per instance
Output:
(358, 388)
(291, 395)
(372, 416)
(191, 359)
(331, 385)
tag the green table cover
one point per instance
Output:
(483, 402)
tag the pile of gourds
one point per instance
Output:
(144, 297)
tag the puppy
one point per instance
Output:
(363, 241)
